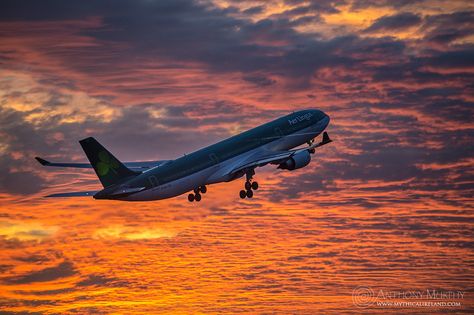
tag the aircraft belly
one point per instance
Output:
(146, 195)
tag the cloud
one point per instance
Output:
(360, 4)
(97, 280)
(453, 59)
(132, 233)
(26, 231)
(447, 28)
(259, 80)
(34, 258)
(21, 183)
(395, 22)
(254, 10)
(216, 41)
(63, 270)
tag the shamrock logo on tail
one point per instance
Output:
(106, 163)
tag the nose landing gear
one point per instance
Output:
(196, 196)
(250, 186)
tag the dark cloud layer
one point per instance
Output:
(394, 22)
(64, 269)
(446, 28)
(15, 175)
(185, 31)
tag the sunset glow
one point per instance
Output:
(387, 206)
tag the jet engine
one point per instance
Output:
(299, 160)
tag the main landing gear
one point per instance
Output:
(196, 196)
(310, 143)
(250, 186)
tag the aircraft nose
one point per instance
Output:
(327, 119)
(322, 117)
(319, 114)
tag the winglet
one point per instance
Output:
(325, 138)
(324, 141)
(42, 161)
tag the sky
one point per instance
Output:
(387, 207)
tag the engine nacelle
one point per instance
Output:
(298, 160)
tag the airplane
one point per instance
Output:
(274, 143)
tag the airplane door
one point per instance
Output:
(153, 181)
(213, 157)
(278, 132)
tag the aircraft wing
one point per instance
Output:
(280, 156)
(137, 166)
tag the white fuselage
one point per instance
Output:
(219, 172)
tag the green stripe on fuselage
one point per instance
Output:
(229, 148)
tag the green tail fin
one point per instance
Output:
(107, 167)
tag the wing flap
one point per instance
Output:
(61, 164)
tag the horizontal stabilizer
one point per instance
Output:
(136, 166)
(75, 165)
(73, 194)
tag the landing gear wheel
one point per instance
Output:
(249, 193)
(190, 197)
(243, 194)
(254, 185)
(203, 189)
(197, 197)
(196, 191)
(248, 186)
